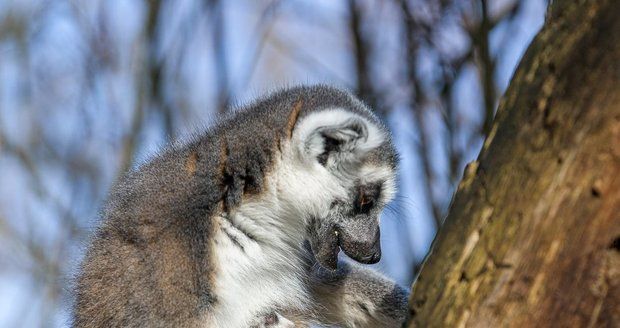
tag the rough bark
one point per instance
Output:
(533, 234)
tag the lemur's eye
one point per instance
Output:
(367, 198)
(365, 203)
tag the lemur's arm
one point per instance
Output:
(355, 296)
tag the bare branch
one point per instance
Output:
(148, 84)
(361, 53)
(417, 102)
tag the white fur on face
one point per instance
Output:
(370, 174)
(315, 185)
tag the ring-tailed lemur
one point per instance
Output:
(247, 219)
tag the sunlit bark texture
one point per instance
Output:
(533, 234)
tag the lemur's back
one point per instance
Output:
(150, 260)
(151, 263)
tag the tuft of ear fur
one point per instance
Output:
(335, 133)
(337, 138)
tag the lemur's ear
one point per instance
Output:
(333, 139)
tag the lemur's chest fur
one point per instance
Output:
(249, 284)
(253, 275)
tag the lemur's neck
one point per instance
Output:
(255, 224)
(269, 221)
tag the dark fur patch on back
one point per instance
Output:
(226, 180)
(223, 156)
(190, 163)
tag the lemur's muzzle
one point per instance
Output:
(358, 237)
(360, 240)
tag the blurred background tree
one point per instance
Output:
(90, 88)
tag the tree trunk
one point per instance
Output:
(533, 234)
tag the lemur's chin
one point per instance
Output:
(324, 244)
(331, 261)
(327, 256)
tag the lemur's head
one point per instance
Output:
(342, 174)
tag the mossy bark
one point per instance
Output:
(533, 234)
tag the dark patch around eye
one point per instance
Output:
(367, 197)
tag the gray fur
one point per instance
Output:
(353, 287)
(150, 263)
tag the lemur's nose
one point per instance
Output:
(367, 253)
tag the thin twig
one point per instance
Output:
(361, 53)
(147, 83)
(417, 103)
